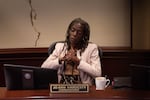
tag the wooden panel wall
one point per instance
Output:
(115, 61)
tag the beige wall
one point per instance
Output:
(109, 21)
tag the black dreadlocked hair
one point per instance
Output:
(86, 32)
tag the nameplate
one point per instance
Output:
(69, 88)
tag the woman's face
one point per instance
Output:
(76, 33)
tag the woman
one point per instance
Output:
(77, 60)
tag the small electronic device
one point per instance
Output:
(121, 82)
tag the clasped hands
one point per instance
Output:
(70, 58)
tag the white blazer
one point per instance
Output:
(89, 67)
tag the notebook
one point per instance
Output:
(18, 77)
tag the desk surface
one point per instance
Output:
(107, 94)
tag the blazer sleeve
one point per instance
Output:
(91, 61)
(52, 61)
